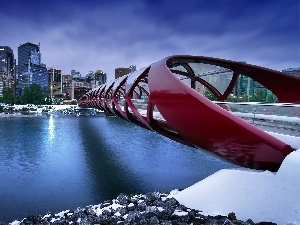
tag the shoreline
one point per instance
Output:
(12, 115)
(150, 208)
(34, 111)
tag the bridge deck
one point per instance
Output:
(172, 98)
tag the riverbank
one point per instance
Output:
(33, 110)
(151, 208)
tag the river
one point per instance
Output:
(51, 163)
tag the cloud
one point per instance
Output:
(109, 34)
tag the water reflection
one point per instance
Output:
(41, 167)
(142, 160)
(51, 127)
(54, 163)
(20, 138)
(109, 177)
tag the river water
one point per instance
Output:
(51, 163)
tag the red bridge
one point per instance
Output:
(172, 97)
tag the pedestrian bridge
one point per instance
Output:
(204, 102)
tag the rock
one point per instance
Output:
(154, 220)
(131, 207)
(122, 199)
(166, 223)
(267, 223)
(152, 196)
(122, 211)
(171, 202)
(152, 208)
(250, 222)
(231, 216)
(142, 206)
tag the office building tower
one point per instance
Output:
(7, 68)
(119, 72)
(54, 74)
(26, 52)
(75, 74)
(100, 77)
(292, 71)
(30, 69)
(55, 83)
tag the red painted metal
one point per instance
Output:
(189, 117)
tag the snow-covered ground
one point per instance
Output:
(290, 119)
(53, 107)
(259, 195)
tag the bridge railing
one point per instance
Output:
(272, 117)
(174, 97)
(267, 116)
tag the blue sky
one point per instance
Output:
(98, 34)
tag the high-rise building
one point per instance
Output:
(75, 74)
(81, 84)
(7, 68)
(119, 72)
(66, 85)
(245, 86)
(30, 69)
(132, 68)
(292, 71)
(90, 77)
(54, 74)
(97, 78)
(55, 83)
(100, 77)
(25, 53)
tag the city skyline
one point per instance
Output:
(106, 35)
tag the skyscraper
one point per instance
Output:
(100, 77)
(55, 82)
(30, 68)
(121, 71)
(24, 56)
(293, 71)
(7, 68)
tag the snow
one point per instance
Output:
(98, 210)
(131, 205)
(115, 205)
(117, 214)
(62, 213)
(258, 195)
(43, 107)
(293, 141)
(16, 222)
(180, 213)
(290, 119)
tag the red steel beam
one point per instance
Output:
(191, 118)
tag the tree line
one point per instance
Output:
(31, 95)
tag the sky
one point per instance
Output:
(90, 35)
